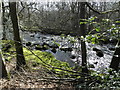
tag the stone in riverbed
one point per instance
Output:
(28, 44)
(112, 48)
(53, 50)
(38, 47)
(66, 49)
(73, 57)
(99, 52)
(53, 46)
(91, 66)
(41, 47)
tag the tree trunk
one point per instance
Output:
(75, 18)
(116, 57)
(3, 71)
(3, 21)
(18, 45)
(83, 32)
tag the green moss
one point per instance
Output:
(46, 57)
(49, 59)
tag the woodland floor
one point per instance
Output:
(31, 78)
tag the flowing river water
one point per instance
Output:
(99, 64)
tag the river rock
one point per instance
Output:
(91, 66)
(73, 57)
(32, 35)
(54, 46)
(99, 52)
(112, 48)
(54, 50)
(38, 47)
(66, 49)
(28, 44)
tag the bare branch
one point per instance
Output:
(105, 12)
(92, 8)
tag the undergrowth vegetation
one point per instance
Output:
(61, 69)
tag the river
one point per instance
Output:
(99, 64)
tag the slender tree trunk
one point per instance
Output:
(18, 45)
(116, 57)
(3, 71)
(3, 21)
(83, 33)
(75, 18)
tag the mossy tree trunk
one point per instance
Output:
(18, 45)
